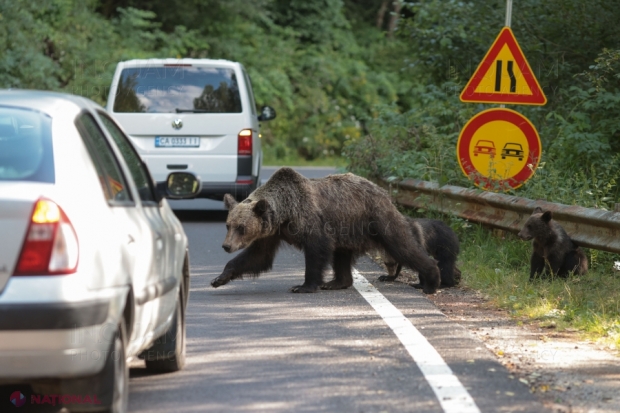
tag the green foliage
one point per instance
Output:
(305, 59)
(64, 45)
(574, 50)
(419, 143)
(593, 186)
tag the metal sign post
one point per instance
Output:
(507, 23)
(508, 13)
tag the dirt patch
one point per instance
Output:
(568, 375)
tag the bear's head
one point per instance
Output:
(247, 221)
(538, 225)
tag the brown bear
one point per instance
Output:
(335, 218)
(440, 241)
(553, 248)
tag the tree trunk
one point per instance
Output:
(394, 16)
(381, 13)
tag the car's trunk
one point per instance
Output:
(16, 204)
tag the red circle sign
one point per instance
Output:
(499, 149)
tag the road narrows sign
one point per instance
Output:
(504, 76)
(499, 149)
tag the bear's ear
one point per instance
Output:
(261, 207)
(547, 216)
(537, 210)
(229, 202)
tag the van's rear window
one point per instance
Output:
(25, 146)
(177, 89)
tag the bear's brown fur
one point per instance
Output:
(335, 218)
(553, 250)
(440, 241)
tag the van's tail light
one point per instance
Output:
(245, 142)
(51, 245)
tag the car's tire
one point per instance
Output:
(111, 385)
(167, 354)
(119, 387)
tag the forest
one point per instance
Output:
(375, 82)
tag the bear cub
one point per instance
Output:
(439, 241)
(553, 250)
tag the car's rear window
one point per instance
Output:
(25, 146)
(177, 89)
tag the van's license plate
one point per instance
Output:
(176, 142)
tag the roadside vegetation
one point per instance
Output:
(497, 264)
(574, 50)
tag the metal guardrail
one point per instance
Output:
(588, 227)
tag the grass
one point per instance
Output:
(498, 266)
(496, 263)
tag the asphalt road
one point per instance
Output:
(252, 346)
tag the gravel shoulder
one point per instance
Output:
(568, 374)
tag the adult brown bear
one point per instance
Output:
(336, 218)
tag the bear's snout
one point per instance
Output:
(524, 237)
(226, 247)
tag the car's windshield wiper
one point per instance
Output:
(179, 110)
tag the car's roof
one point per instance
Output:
(159, 62)
(52, 103)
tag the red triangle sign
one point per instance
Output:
(504, 76)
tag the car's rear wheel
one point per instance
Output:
(111, 385)
(120, 386)
(167, 355)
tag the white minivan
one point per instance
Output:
(197, 115)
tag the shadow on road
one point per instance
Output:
(201, 216)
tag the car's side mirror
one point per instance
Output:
(180, 185)
(267, 113)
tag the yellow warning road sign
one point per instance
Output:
(504, 76)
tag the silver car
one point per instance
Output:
(94, 268)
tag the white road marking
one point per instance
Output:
(451, 394)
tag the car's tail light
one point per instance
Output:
(51, 245)
(245, 142)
